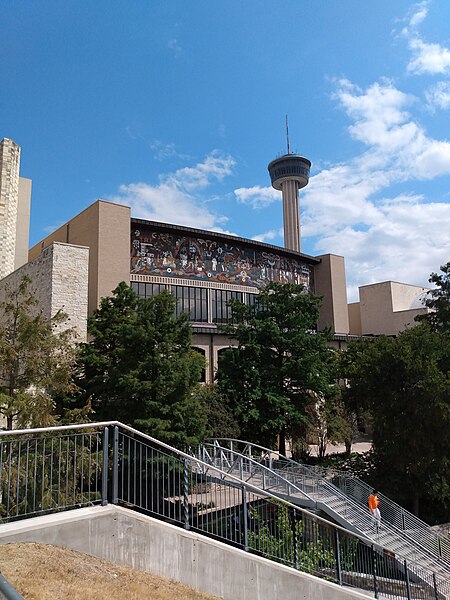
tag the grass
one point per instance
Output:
(42, 572)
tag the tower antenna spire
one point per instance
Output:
(287, 136)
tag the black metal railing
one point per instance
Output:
(55, 469)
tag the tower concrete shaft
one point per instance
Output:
(291, 215)
(290, 173)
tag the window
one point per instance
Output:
(221, 313)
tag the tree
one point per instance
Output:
(139, 367)
(439, 301)
(37, 355)
(279, 366)
(330, 424)
(405, 383)
(220, 421)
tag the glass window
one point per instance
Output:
(221, 312)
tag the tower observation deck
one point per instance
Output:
(289, 173)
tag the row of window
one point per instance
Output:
(194, 300)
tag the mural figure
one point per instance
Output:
(199, 258)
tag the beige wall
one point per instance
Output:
(104, 227)
(329, 282)
(386, 308)
(23, 222)
(9, 199)
(354, 319)
(59, 278)
(212, 344)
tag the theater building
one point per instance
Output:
(203, 269)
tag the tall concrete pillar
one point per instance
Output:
(290, 173)
(9, 202)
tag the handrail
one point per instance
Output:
(337, 492)
(181, 453)
(117, 456)
(8, 591)
(400, 516)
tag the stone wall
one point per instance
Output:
(59, 277)
(9, 199)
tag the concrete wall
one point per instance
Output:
(9, 200)
(386, 308)
(329, 282)
(59, 276)
(23, 222)
(354, 319)
(128, 538)
(104, 227)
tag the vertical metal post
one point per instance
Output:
(408, 589)
(295, 537)
(374, 567)
(338, 558)
(186, 494)
(435, 586)
(244, 516)
(105, 467)
(115, 459)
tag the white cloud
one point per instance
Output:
(431, 58)
(269, 236)
(175, 47)
(176, 198)
(257, 196)
(421, 11)
(438, 96)
(163, 151)
(403, 237)
(428, 58)
(347, 208)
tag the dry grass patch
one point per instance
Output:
(41, 572)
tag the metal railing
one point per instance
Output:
(393, 513)
(7, 591)
(60, 468)
(304, 479)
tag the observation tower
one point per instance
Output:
(289, 173)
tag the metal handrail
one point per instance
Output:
(111, 459)
(398, 516)
(354, 512)
(7, 591)
(202, 466)
(393, 512)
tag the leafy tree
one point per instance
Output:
(405, 383)
(281, 363)
(36, 358)
(220, 421)
(330, 423)
(139, 367)
(439, 301)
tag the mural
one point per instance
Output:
(203, 259)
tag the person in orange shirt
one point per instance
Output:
(373, 507)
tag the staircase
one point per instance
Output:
(316, 489)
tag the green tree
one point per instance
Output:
(279, 366)
(139, 367)
(330, 423)
(405, 383)
(439, 301)
(37, 356)
(220, 420)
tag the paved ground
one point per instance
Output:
(358, 447)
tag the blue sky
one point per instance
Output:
(176, 108)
